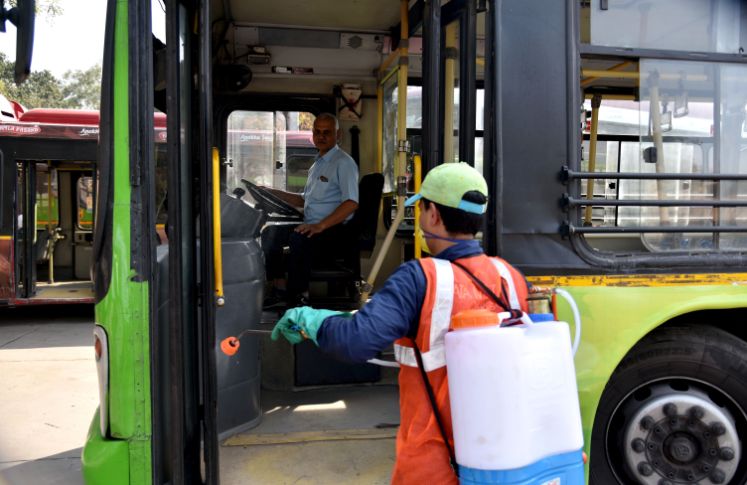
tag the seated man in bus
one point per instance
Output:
(329, 200)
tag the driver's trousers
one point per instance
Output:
(303, 253)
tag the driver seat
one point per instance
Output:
(345, 270)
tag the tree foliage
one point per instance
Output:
(82, 89)
(77, 89)
(46, 8)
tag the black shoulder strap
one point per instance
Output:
(501, 301)
(432, 398)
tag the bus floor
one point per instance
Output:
(333, 434)
(78, 291)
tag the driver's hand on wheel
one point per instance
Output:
(310, 229)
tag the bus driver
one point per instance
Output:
(329, 200)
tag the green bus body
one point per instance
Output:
(125, 455)
(608, 332)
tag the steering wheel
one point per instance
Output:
(271, 203)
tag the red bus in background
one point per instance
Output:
(47, 202)
(48, 193)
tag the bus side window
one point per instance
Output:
(85, 203)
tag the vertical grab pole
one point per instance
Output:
(402, 144)
(50, 235)
(449, 71)
(384, 248)
(401, 159)
(596, 102)
(417, 175)
(217, 250)
(380, 128)
(654, 100)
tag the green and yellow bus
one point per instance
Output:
(611, 134)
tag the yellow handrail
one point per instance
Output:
(379, 129)
(601, 73)
(450, 66)
(417, 175)
(401, 158)
(217, 253)
(615, 68)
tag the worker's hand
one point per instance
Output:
(310, 229)
(301, 323)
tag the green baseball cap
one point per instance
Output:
(447, 184)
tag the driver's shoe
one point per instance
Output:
(275, 300)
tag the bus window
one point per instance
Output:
(299, 164)
(690, 25)
(47, 210)
(389, 131)
(85, 203)
(479, 128)
(161, 181)
(699, 136)
(268, 148)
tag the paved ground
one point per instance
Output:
(48, 390)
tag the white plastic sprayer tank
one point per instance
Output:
(514, 401)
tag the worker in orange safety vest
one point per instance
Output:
(414, 309)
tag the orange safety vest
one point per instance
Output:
(422, 457)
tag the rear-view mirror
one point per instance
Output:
(22, 16)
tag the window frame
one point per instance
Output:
(614, 259)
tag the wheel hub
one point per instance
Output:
(676, 438)
(682, 449)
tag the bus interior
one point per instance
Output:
(275, 399)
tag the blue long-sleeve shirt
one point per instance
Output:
(392, 313)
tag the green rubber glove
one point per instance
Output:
(300, 323)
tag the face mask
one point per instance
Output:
(424, 235)
(423, 241)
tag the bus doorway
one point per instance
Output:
(54, 230)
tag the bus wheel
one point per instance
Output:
(674, 411)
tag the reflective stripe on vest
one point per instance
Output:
(434, 357)
(513, 297)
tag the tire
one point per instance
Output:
(674, 411)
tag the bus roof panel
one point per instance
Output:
(361, 15)
(73, 117)
(61, 116)
(68, 124)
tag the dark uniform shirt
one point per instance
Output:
(392, 313)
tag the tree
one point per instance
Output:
(41, 89)
(78, 89)
(47, 8)
(82, 89)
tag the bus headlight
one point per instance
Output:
(101, 349)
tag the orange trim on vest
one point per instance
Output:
(421, 454)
